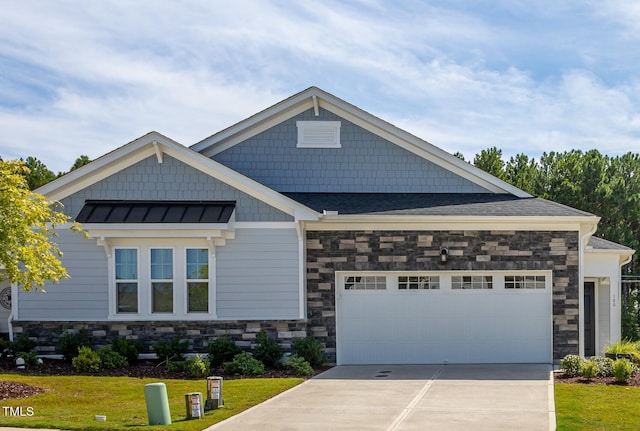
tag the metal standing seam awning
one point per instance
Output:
(106, 219)
(123, 211)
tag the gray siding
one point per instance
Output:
(171, 180)
(83, 296)
(365, 163)
(257, 275)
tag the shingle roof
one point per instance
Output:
(597, 243)
(445, 204)
(107, 211)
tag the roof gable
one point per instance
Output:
(316, 99)
(157, 145)
(362, 163)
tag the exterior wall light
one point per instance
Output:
(444, 254)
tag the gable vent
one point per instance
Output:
(318, 134)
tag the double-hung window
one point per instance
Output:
(162, 280)
(197, 280)
(126, 269)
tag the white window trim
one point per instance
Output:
(143, 247)
(327, 134)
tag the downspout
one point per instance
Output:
(302, 267)
(582, 245)
(14, 301)
(10, 325)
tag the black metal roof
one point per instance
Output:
(445, 204)
(112, 211)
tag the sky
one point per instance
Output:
(86, 77)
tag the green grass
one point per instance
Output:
(71, 402)
(597, 407)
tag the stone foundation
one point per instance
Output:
(47, 334)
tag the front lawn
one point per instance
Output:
(72, 402)
(597, 407)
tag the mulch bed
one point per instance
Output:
(143, 369)
(563, 378)
(13, 390)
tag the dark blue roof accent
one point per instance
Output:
(113, 211)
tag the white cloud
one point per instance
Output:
(85, 80)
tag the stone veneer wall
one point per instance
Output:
(198, 334)
(330, 251)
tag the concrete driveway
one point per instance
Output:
(411, 397)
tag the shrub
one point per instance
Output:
(222, 350)
(86, 361)
(30, 358)
(130, 349)
(604, 365)
(23, 347)
(267, 351)
(70, 343)
(570, 364)
(171, 350)
(624, 347)
(23, 344)
(110, 359)
(197, 365)
(310, 349)
(622, 370)
(245, 364)
(589, 369)
(174, 366)
(299, 366)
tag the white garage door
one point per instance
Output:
(393, 318)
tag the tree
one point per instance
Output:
(459, 155)
(523, 173)
(80, 162)
(37, 173)
(490, 161)
(27, 224)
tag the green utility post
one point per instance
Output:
(155, 394)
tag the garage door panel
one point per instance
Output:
(454, 326)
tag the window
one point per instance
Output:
(153, 281)
(126, 280)
(162, 280)
(425, 282)
(318, 134)
(197, 280)
(366, 282)
(524, 282)
(472, 282)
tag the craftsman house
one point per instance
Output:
(314, 217)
